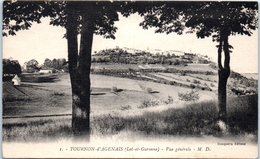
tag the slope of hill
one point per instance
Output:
(14, 92)
(251, 75)
(140, 83)
(195, 76)
(123, 62)
(134, 56)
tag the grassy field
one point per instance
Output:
(145, 106)
(196, 119)
(192, 67)
(55, 98)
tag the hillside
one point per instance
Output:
(194, 76)
(134, 56)
(117, 84)
(251, 75)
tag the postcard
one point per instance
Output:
(130, 79)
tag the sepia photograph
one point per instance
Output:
(129, 79)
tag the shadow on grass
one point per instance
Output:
(154, 92)
(97, 93)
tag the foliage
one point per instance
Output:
(169, 100)
(119, 55)
(189, 96)
(148, 103)
(11, 67)
(57, 94)
(115, 89)
(125, 107)
(149, 90)
(200, 17)
(18, 15)
(32, 66)
(58, 64)
(196, 81)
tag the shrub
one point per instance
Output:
(189, 96)
(187, 80)
(183, 73)
(148, 103)
(57, 94)
(192, 86)
(172, 82)
(196, 81)
(209, 73)
(149, 90)
(125, 107)
(114, 89)
(212, 85)
(12, 99)
(169, 100)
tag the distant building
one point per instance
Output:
(16, 81)
(46, 71)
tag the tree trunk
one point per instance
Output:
(223, 75)
(222, 93)
(79, 68)
(81, 115)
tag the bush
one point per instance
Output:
(172, 82)
(169, 100)
(212, 85)
(187, 80)
(189, 96)
(196, 81)
(183, 73)
(125, 107)
(209, 73)
(114, 89)
(192, 86)
(148, 103)
(149, 90)
(57, 94)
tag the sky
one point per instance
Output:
(43, 41)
